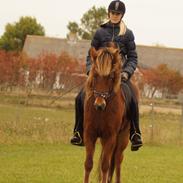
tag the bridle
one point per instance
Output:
(104, 95)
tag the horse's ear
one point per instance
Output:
(93, 54)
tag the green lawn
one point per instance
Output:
(63, 163)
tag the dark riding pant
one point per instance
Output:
(79, 112)
(132, 110)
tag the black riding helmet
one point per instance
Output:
(117, 6)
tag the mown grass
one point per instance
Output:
(63, 163)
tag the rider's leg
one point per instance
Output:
(135, 134)
(77, 138)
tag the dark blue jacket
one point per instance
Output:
(125, 40)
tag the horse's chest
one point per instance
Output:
(109, 119)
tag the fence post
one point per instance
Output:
(152, 123)
(180, 97)
(181, 124)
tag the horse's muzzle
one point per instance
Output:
(100, 104)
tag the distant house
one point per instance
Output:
(149, 56)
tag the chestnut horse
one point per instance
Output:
(104, 114)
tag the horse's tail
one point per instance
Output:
(112, 166)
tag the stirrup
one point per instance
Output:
(135, 144)
(134, 135)
(77, 135)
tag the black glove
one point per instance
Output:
(124, 76)
(88, 73)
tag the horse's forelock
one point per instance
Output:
(104, 63)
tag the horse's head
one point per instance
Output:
(104, 77)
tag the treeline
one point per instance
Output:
(61, 73)
(47, 72)
(160, 81)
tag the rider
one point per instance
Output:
(116, 31)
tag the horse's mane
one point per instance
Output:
(105, 61)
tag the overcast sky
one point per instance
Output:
(152, 21)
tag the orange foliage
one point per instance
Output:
(11, 65)
(18, 70)
(164, 79)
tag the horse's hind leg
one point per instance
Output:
(90, 148)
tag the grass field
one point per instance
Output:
(63, 163)
(20, 124)
(34, 147)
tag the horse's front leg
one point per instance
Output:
(122, 142)
(108, 148)
(118, 160)
(90, 148)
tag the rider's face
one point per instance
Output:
(115, 17)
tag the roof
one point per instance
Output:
(152, 56)
(148, 56)
(36, 45)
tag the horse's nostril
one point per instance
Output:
(100, 107)
(100, 104)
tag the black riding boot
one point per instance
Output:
(77, 138)
(135, 134)
(132, 115)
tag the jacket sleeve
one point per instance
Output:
(131, 57)
(96, 44)
(88, 63)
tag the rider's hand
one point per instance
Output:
(124, 76)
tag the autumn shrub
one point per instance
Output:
(163, 79)
(46, 72)
(12, 65)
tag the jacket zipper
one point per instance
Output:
(112, 32)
